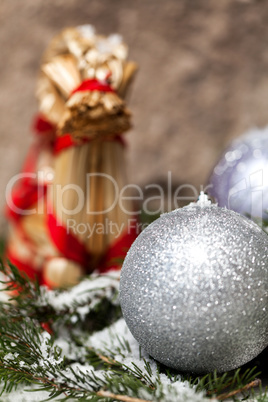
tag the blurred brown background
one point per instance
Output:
(203, 77)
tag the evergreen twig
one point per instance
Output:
(123, 398)
(29, 355)
(252, 384)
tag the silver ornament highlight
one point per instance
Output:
(194, 289)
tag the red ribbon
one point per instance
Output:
(67, 244)
(42, 126)
(27, 190)
(25, 267)
(24, 196)
(117, 251)
(71, 248)
(63, 142)
(93, 85)
(67, 141)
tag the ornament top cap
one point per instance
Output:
(203, 201)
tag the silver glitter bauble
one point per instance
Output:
(194, 289)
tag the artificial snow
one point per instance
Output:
(22, 395)
(114, 337)
(83, 297)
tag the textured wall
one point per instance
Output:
(203, 77)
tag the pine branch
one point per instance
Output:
(28, 355)
(107, 365)
(235, 381)
(227, 395)
(91, 305)
(34, 360)
(123, 398)
(262, 397)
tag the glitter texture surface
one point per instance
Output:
(240, 179)
(194, 289)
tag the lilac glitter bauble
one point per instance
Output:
(240, 179)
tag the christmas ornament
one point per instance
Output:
(60, 210)
(240, 179)
(194, 288)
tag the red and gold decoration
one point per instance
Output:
(65, 216)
